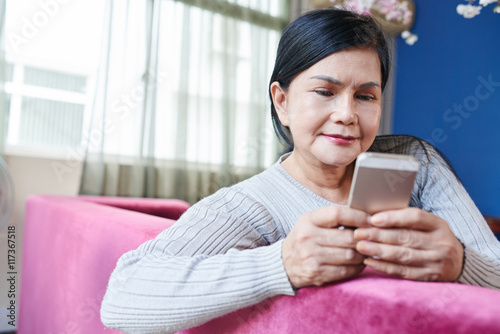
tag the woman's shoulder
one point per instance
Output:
(401, 144)
(410, 145)
(253, 202)
(242, 195)
(275, 193)
(430, 157)
(264, 187)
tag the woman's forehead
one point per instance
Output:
(360, 62)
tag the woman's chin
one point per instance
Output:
(340, 159)
(339, 163)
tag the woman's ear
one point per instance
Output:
(279, 100)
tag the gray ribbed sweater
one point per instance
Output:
(224, 253)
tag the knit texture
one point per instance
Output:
(224, 253)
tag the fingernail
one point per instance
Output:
(378, 219)
(360, 234)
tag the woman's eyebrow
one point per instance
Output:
(369, 84)
(329, 79)
(340, 83)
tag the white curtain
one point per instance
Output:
(181, 104)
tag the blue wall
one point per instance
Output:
(448, 92)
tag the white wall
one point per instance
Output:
(31, 175)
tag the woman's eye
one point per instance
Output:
(323, 92)
(366, 97)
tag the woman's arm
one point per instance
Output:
(217, 258)
(445, 196)
(482, 248)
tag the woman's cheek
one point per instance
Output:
(369, 128)
(372, 122)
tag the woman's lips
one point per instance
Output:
(340, 140)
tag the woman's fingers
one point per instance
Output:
(403, 271)
(396, 254)
(321, 257)
(408, 263)
(411, 243)
(336, 238)
(319, 275)
(334, 256)
(394, 236)
(412, 218)
(335, 273)
(317, 251)
(334, 216)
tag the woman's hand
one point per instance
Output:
(413, 244)
(316, 251)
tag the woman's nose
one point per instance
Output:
(344, 111)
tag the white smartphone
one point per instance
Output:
(382, 181)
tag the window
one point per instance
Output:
(46, 108)
(54, 50)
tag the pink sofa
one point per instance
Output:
(71, 245)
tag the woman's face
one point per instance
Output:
(333, 108)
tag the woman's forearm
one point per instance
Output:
(148, 293)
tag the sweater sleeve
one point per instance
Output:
(441, 193)
(223, 254)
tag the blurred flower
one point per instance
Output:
(486, 2)
(391, 10)
(394, 10)
(469, 11)
(358, 6)
(409, 38)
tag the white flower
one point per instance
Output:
(405, 34)
(468, 11)
(409, 38)
(368, 3)
(497, 9)
(359, 6)
(485, 3)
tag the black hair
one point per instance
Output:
(316, 35)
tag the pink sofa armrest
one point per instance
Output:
(71, 246)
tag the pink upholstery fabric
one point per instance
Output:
(71, 246)
(170, 209)
(371, 303)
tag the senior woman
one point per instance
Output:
(279, 230)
